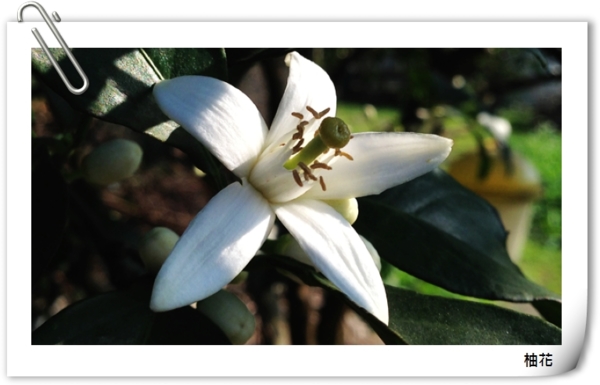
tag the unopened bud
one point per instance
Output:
(230, 314)
(156, 246)
(347, 207)
(112, 161)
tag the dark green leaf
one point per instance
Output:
(430, 320)
(49, 205)
(120, 91)
(174, 62)
(236, 56)
(440, 232)
(550, 310)
(120, 86)
(124, 318)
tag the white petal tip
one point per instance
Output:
(160, 302)
(383, 318)
(159, 305)
(380, 311)
(169, 293)
(444, 151)
(170, 298)
(161, 88)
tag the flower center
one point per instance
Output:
(333, 133)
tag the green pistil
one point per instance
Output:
(333, 133)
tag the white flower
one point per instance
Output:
(227, 233)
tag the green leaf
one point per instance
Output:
(550, 310)
(124, 318)
(438, 231)
(430, 320)
(237, 56)
(120, 91)
(174, 62)
(49, 205)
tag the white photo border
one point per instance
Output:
(23, 359)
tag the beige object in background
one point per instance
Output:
(511, 193)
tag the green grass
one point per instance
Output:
(542, 265)
(543, 149)
(362, 118)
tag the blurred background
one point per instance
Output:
(502, 107)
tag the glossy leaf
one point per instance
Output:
(174, 62)
(436, 230)
(430, 320)
(124, 318)
(120, 91)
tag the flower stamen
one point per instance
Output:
(318, 164)
(322, 182)
(297, 178)
(339, 152)
(332, 133)
(298, 146)
(313, 112)
(300, 133)
(307, 171)
(324, 112)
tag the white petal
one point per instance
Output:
(219, 115)
(337, 251)
(214, 248)
(307, 85)
(381, 160)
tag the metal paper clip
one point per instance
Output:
(76, 91)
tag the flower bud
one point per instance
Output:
(348, 208)
(230, 314)
(112, 161)
(156, 246)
